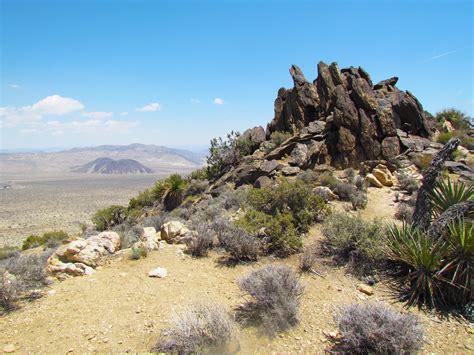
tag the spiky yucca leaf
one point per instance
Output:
(422, 257)
(458, 270)
(448, 193)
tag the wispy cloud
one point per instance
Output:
(125, 113)
(14, 86)
(194, 100)
(442, 55)
(218, 101)
(98, 115)
(153, 106)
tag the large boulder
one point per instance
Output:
(174, 232)
(81, 256)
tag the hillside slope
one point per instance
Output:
(110, 166)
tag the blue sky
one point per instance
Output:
(177, 73)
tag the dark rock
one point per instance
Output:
(255, 135)
(388, 82)
(290, 170)
(390, 147)
(299, 155)
(460, 169)
(268, 166)
(263, 182)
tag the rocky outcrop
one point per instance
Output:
(357, 120)
(80, 257)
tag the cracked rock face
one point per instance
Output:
(361, 121)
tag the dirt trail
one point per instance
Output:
(120, 308)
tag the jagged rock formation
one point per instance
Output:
(110, 166)
(355, 119)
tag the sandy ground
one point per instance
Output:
(119, 308)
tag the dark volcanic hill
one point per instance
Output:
(110, 166)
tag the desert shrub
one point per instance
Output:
(196, 187)
(280, 234)
(156, 221)
(241, 245)
(129, 234)
(226, 153)
(404, 212)
(29, 270)
(309, 177)
(408, 183)
(359, 200)
(353, 241)
(275, 292)
(375, 328)
(232, 200)
(8, 292)
(327, 179)
(196, 329)
(448, 193)
(307, 258)
(144, 199)
(8, 252)
(444, 137)
(458, 119)
(108, 217)
(278, 138)
(175, 188)
(49, 240)
(360, 183)
(295, 197)
(350, 175)
(199, 174)
(200, 244)
(138, 252)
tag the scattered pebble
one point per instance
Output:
(369, 291)
(9, 348)
(159, 272)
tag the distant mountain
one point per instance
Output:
(161, 160)
(110, 166)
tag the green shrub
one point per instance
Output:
(138, 252)
(199, 174)
(444, 137)
(353, 241)
(158, 190)
(48, 239)
(226, 153)
(278, 137)
(458, 119)
(108, 217)
(144, 199)
(295, 197)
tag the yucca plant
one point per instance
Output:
(448, 193)
(175, 186)
(420, 259)
(459, 265)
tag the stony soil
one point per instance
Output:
(120, 308)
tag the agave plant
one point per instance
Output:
(447, 194)
(175, 186)
(458, 270)
(421, 258)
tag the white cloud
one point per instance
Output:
(53, 105)
(14, 86)
(99, 115)
(125, 113)
(195, 101)
(56, 105)
(153, 106)
(218, 101)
